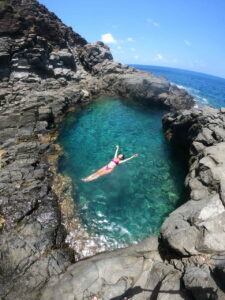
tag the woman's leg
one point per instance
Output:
(92, 177)
(89, 178)
(97, 174)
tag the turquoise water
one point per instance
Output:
(206, 89)
(130, 203)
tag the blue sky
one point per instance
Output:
(186, 34)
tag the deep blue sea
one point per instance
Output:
(206, 89)
(132, 202)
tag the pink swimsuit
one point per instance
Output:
(115, 162)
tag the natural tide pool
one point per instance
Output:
(132, 202)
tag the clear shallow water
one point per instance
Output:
(130, 203)
(206, 89)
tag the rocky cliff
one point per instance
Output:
(45, 69)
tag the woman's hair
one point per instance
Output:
(122, 156)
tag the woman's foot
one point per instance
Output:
(87, 179)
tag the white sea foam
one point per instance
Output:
(125, 231)
(85, 206)
(194, 92)
(180, 86)
(205, 100)
(100, 214)
(102, 221)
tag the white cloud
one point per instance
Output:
(187, 43)
(158, 57)
(130, 39)
(108, 38)
(132, 49)
(153, 23)
(136, 56)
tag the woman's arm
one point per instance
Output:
(116, 153)
(125, 160)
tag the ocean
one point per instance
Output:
(206, 89)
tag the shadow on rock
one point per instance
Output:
(199, 293)
(154, 292)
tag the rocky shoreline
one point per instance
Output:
(45, 70)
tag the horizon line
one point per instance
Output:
(217, 76)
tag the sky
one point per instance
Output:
(185, 34)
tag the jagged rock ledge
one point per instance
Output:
(188, 262)
(197, 227)
(46, 68)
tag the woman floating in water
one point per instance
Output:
(118, 159)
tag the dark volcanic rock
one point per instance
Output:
(46, 68)
(201, 284)
(118, 79)
(93, 54)
(28, 34)
(22, 17)
(197, 227)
